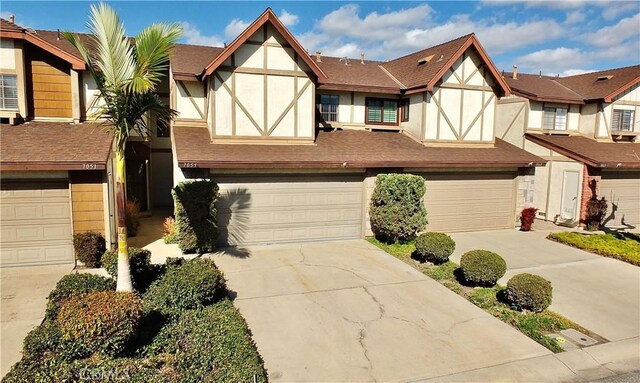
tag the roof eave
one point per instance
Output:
(564, 151)
(53, 165)
(535, 97)
(76, 62)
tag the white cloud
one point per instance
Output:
(609, 36)
(192, 35)
(288, 19)
(392, 34)
(575, 17)
(574, 72)
(552, 60)
(234, 28)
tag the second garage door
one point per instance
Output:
(35, 223)
(268, 209)
(461, 202)
(622, 190)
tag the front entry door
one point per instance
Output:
(570, 188)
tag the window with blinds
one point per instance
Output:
(622, 120)
(327, 105)
(380, 111)
(554, 118)
(8, 92)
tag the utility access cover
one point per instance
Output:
(578, 338)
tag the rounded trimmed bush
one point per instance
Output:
(482, 267)
(89, 247)
(101, 322)
(529, 292)
(397, 211)
(74, 284)
(195, 212)
(435, 247)
(190, 285)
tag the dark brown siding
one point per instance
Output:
(87, 202)
(48, 84)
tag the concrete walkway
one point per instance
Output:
(348, 312)
(599, 293)
(24, 300)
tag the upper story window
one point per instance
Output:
(381, 111)
(8, 92)
(555, 118)
(328, 107)
(622, 120)
(404, 110)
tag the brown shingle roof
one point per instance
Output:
(367, 76)
(6, 25)
(54, 146)
(591, 152)
(575, 89)
(191, 59)
(541, 88)
(349, 148)
(590, 88)
(410, 74)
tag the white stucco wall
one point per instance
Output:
(464, 113)
(7, 54)
(190, 100)
(253, 93)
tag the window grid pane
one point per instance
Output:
(561, 119)
(8, 92)
(328, 107)
(549, 118)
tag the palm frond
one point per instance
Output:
(153, 48)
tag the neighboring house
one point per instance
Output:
(294, 140)
(586, 126)
(286, 173)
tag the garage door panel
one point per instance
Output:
(622, 189)
(301, 208)
(35, 224)
(460, 202)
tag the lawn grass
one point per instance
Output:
(625, 247)
(533, 325)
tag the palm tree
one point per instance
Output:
(126, 73)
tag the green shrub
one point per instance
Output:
(529, 292)
(89, 247)
(143, 273)
(46, 369)
(101, 322)
(107, 370)
(434, 247)
(482, 267)
(42, 339)
(74, 284)
(132, 218)
(193, 284)
(170, 231)
(397, 211)
(196, 214)
(212, 344)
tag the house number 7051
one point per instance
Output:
(89, 166)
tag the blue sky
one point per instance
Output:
(555, 37)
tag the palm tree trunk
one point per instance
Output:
(124, 272)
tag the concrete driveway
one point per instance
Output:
(348, 312)
(601, 294)
(24, 299)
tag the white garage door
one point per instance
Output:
(289, 209)
(622, 190)
(460, 202)
(35, 224)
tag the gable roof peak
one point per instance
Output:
(267, 16)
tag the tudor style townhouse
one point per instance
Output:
(587, 128)
(294, 140)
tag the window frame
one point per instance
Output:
(366, 111)
(555, 118)
(320, 110)
(404, 109)
(621, 119)
(2, 96)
